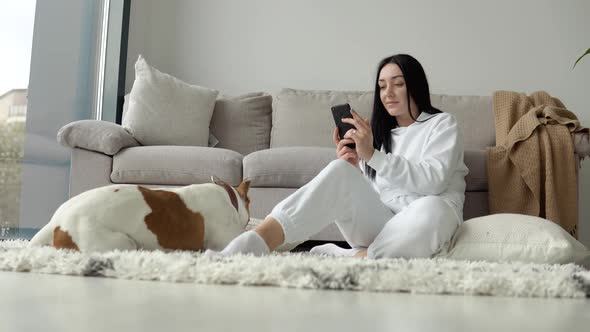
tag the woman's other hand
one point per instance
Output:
(344, 152)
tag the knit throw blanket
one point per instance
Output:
(532, 168)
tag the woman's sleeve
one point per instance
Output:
(362, 166)
(430, 176)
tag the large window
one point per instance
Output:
(60, 63)
(16, 35)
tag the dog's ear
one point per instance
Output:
(215, 179)
(243, 188)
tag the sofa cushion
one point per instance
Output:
(303, 117)
(164, 110)
(293, 167)
(243, 123)
(176, 165)
(290, 167)
(476, 161)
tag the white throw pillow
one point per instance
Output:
(164, 110)
(513, 237)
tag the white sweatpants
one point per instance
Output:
(340, 193)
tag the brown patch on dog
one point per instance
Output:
(63, 240)
(242, 190)
(173, 223)
(116, 190)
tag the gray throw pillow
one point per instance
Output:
(242, 123)
(164, 110)
(100, 136)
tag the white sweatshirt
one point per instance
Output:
(426, 159)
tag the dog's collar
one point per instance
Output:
(232, 195)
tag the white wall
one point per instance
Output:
(467, 47)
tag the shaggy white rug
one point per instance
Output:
(303, 270)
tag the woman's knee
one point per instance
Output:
(339, 164)
(339, 167)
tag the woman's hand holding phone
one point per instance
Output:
(344, 152)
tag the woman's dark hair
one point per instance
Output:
(417, 87)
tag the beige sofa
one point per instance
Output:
(279, 143)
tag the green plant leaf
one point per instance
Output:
(580, 58)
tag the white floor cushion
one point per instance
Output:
(513, 237)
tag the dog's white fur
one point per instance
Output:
(113, 217)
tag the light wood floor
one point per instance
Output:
(36, 302)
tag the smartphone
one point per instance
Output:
(339, 112)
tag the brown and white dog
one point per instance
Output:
(129, 217)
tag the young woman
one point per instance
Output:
(399, 193)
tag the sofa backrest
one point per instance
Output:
(475, 116)
(303, 117)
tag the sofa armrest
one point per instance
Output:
(100, 136)
(89, 170)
